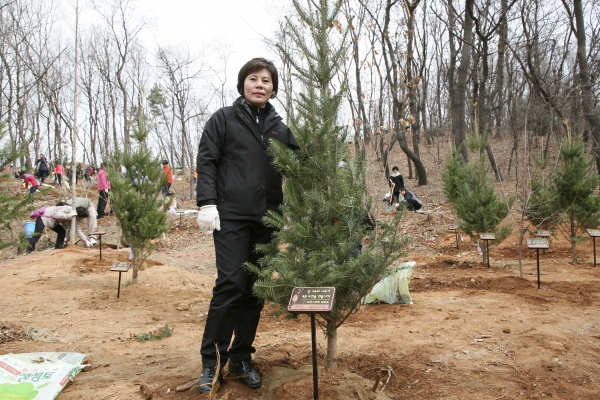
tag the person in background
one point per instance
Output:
(88, 174)
(412, 201)
(42, 168)
(70, 175)
(30, 183)
(59, 171)
(103, 191)
(237, 184)
(92, 216)
(398, 182)
(53, 218)
(169, 179)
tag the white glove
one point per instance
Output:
(88, 243)
(208, 218)
(73, 213)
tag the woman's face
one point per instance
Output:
(258, 87)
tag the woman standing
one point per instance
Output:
(103, 189)
(59, 171)
(237, 184)
(42, 168)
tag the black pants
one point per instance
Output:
(102, 201)
(43, 174)
(165, 189)
(61, 233)
(233, 308)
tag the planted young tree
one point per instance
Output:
(322, 226)
(575, 184)
(471, 193)
(534, 206)
(136, 199)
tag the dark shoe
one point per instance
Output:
(246, 372)
(100, 216)
(206, 379)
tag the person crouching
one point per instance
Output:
(52, 218)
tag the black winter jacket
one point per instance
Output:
(398, 182)
(235, 170)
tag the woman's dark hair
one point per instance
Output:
(82, 212)
(62, 203)
(254, 65)
(395, 168)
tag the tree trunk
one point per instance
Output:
(135, 267)
(331, 346)
(587, 90)
(419, 167)
(573, 243)
(459, 123)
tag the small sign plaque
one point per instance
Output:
(543, 233)
(312, 300)
(120, 266)
(593, 232)
(487, 236)
(537, 243)
(99, 232)
(453, 227)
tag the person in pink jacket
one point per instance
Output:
(59, 171)
(103, 190)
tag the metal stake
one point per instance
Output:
(119, 287)
(538, 266)
(314, 358)
(487, 245)
(594, 250)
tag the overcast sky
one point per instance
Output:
(238, 24)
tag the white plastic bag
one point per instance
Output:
(39, 376)
(393, 289)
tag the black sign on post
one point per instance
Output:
(537, 244)
(312, 300)
(120, 267)
(454, 228)
(487, 236)
(594, 233)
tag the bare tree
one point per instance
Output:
(122, 29)
(180, 75)
(577, 25)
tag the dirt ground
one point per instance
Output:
(472, 332)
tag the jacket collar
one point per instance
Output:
(271, 116)
(269, 109)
